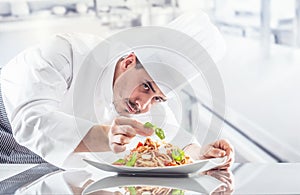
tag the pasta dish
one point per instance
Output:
(154, 154)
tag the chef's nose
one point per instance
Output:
(144, 103)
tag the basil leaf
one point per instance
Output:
(177, 154)
(149, 125)
(177, 192)
(119, 162)
(160, 133)
(132, 190)
(131, 161)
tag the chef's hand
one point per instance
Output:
(219, 148)
(123, 130)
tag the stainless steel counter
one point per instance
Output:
(248, 178)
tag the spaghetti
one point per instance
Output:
(154, 154)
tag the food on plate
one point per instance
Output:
(154, 154)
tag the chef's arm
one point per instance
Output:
(96, 140)
(34, 85)
(51, 134)
(113, 137)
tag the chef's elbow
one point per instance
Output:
(25, 127)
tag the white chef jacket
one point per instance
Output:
(38, 88)
(48, 112)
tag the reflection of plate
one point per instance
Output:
(197, 166)
(201, 184)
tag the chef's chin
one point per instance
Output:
(122, 111)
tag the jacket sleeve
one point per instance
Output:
(34, 86)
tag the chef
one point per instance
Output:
(66, 96)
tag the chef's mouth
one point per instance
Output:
(131, 107)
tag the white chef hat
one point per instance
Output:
(198, 26)
(171, 68)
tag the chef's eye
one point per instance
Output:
(158, 99)
(146, 86)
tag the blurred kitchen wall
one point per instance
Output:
(260, 70)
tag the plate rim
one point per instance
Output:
(152, 170)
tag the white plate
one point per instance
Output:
(197, 166)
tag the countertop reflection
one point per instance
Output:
(197, 184)
(247, 178)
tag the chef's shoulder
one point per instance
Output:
(71, 43)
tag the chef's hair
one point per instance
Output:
(138, 65)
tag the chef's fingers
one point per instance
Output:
(229, 163)
(123, 130)
(138, 126)
(120, 139)
(220, 148)
(212, 152)
(117, 148)
(226, 146)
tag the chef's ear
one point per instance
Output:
(129, 61)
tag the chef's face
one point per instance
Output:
(134, 91)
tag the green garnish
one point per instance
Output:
(158, 131)
(132, 190)
(149, 125)
(178, 154)
(131, 161)
(177, 192)
(119, 162)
